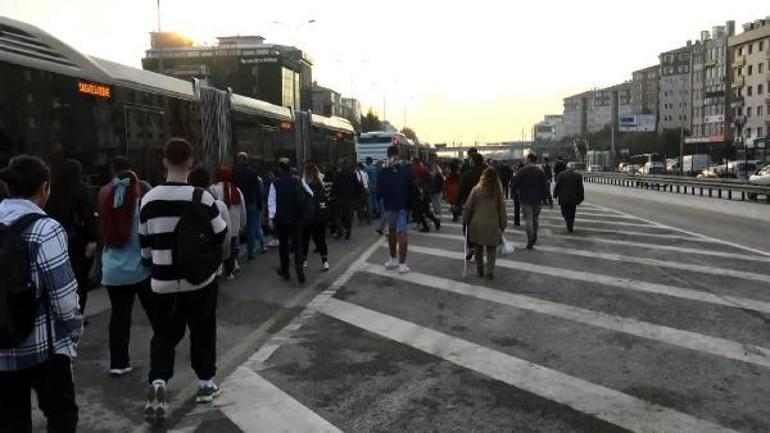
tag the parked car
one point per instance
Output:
(761, 177)
(741, 169)
(672, 166)
(712, 172)
(595, 169)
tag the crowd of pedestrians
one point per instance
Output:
(169, 246)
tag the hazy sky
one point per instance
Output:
(462, 71)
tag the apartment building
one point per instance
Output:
(674, 89)
(750, 52)
(644, 91)
(606, 105)
(575, 111)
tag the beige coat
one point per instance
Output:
(485, 218)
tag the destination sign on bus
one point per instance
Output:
(99, 90)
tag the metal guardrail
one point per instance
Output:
(721, 188)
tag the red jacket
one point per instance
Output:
(452, 188)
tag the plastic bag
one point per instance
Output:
(505, 248)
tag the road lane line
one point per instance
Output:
(713, 239)
(254, 404)
(612, 281)
(594, 221)
(604, 403)
(747, 353)
(710, 270)
(698, 251)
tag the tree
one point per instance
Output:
(410, 134)
(370, 122)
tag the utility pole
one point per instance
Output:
(160, 49)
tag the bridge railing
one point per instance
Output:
(715, 188)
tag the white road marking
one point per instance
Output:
(612, 281)
(604, 403)
(594, 221)
(748, 353)
(710, 270)
(698, 251)
(254, 404)
(694, 234)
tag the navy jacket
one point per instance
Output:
(246, 179)
(530, 183)
(394, 183)
(286, 210)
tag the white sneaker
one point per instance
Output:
(325, 267)
(403, 268)
(392, 264)
(120, 371)
(304, 264)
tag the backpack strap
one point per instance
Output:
(197, 195)
(24, 222)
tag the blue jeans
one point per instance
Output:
(374, 204)
(253, 230)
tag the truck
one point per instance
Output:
(694, 164)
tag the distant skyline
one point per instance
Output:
(482, 71)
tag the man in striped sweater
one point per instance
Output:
(179, 303)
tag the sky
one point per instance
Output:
(455, 71)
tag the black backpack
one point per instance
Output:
(198, 252)
(18, 294)
(305, 203)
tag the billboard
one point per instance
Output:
(637, 123)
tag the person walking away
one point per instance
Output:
(516, 199)
(530, 184)
(468, 181)
(121, 164)
(393, 187)
(288, 219)
(226, 191)
(437, 189)
(547, 169)
(347, 191)
(123, 273)
(38, 353)
(371, 172)
(71, 205)
(506, 174)
(181, 232)
(452, 189)
(486, 218)
(317, 227)
(558, 167)
(364, 211)
(246, 180)
(569, 192)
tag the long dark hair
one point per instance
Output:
(489, 184)
(117, 222)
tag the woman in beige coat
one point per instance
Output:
(486, 219)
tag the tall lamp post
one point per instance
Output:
(738, 123)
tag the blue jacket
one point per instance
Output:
(530, 184)
(394, 182)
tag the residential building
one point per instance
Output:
(574, 121)
(710, 86)
(606, 105)
(750, 53)
(326, 101)
(351, 110)
(549, 129)
(279, 74)
(644, 91)
(674, 99)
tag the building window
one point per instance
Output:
(760, 130)
(751, 48)
(760, 89)
(749, 90)
(748, 111)
(751, 69)
(759, 111)
(761, 45)
(760, 68)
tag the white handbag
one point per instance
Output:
(505, 248)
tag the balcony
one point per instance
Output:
(739, 81)
(739, 61)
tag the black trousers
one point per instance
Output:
(506, 189)
(176, 312)
(122, 301)
(516, 209)
(81, 266)
(568, 212)
(316, 231)
(289, 240)
(52, 381)
(345, 217)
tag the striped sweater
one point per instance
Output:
(160, 212)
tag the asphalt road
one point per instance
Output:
(652, 317)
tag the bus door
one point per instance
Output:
(145, 138)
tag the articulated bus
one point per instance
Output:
(375, 145)
(58, 103)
